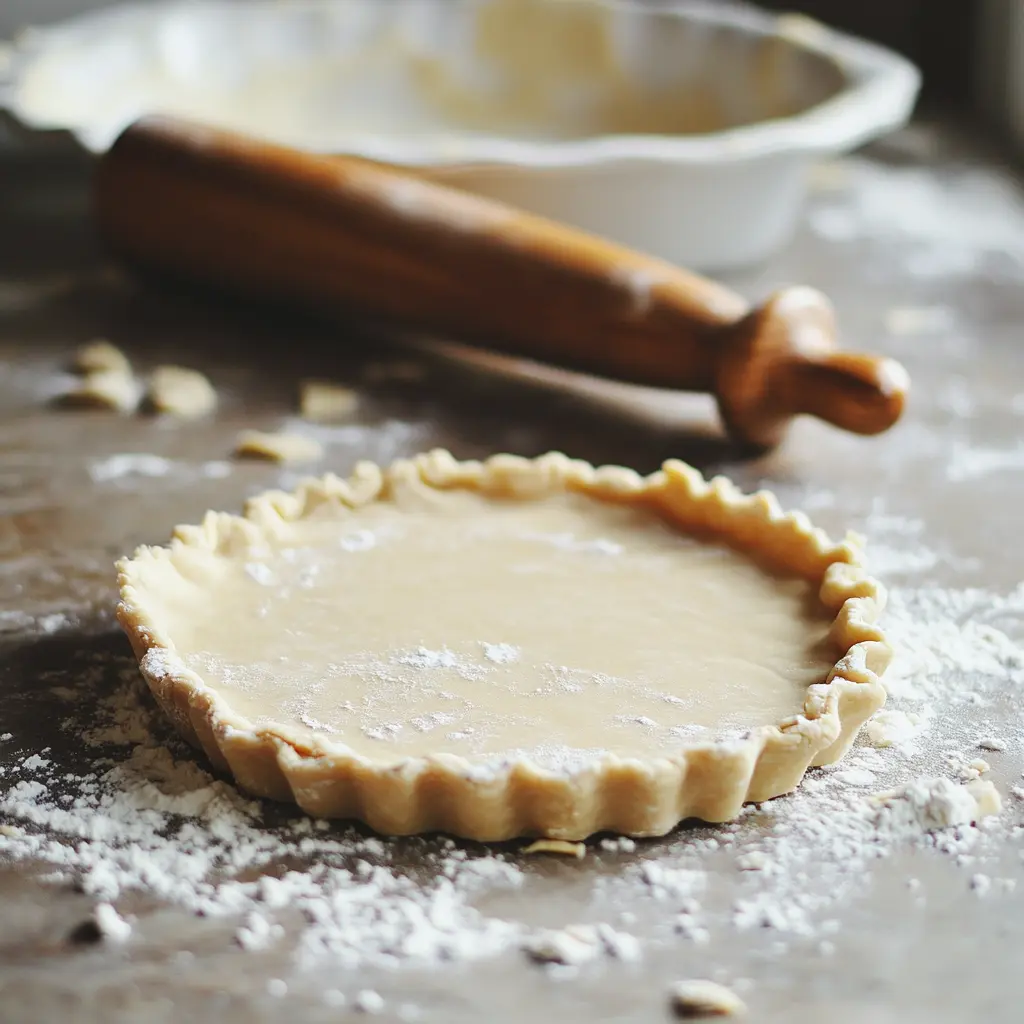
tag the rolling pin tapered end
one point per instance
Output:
(782, 361)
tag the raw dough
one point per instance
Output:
(105, 389)
(281, 447)
(486, 621)
(322, 402)
(101, 356)
(700, 1000)
(180, 392)
(560, 846)
(554, 628)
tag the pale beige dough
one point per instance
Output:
(559, 846)
(278, 447)
(101, 356)
(701, 1000)
(323, 402)
(105, 389)
(178, 391)
(556, 628)
(513, 647)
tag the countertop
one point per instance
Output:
(920, 243)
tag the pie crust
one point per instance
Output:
(502, 797)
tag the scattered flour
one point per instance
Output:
(125, 466)
(114, 467)
(981, 884)
(856, 776)
(110, 925)
(151, 820)
(501, 654)
(905, 784)
(53, 622)
(580, 943)
(944, 636)
(380, 442)
(968, 463)
(258, 932)
(142, 816)
(964, 221)
(369, 1001)
(927, 805)
(893, 728)
(754, 860)
(424, 658)
(215, 469)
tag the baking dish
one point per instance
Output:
(684, 130)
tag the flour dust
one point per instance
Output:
(141, 814)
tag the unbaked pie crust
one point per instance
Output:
(510, 647)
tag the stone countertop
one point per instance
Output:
(920, 243)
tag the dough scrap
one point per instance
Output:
(105, 389)
(181, 392)
(700, 999)
(323, 402)
(100, 356)
(576, 944)
(278, 447)
(577, 850)
(570, 947)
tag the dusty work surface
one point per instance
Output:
(818, 907)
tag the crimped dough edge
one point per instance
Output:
(499, 800)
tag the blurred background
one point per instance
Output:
(945, 38)
(970, 52)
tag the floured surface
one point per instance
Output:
(811, 908)
(447, 622)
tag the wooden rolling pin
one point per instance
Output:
(340, 234)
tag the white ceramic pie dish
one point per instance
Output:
(684, 130)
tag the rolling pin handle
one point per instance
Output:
(781, 360)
